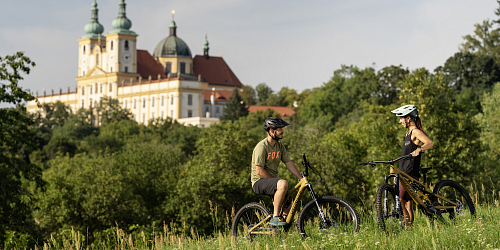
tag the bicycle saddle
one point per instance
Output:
(425, 170)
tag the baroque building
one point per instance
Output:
(170, 83)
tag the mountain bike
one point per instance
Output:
(323, 215)
(448, 199)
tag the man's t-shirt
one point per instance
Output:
(269, 157)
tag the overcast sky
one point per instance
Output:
(282, 43)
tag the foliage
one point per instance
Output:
(217, 179)
(249, 95)
(452, 130)
(263, 92)
(93, 193)
(16, 127)
(235, 108)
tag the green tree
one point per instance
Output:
(348, 87)
(93, 193)
(235, 108)
(470, 75)
(263, 92)
(110, 111)
(16, 129)
(248, 95)
(287, 97)
(451, 128)
(217, 177)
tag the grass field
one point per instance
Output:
(481, 232)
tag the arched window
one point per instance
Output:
(126, 45)
(83, 90)
(135, 106)
(162, 97)
(90, 102)
(143, 118)
(126, 102)
(110, 87)
(171, 100)
(84, 49)
(100, 87)
(83, 104)
(91, 90)
(190, 113)
(126, 69)
(97, 59)
(152, 102)
(183, 68)
(190, 99)
(111, 45)
(143, 103)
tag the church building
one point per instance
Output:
(169, 83)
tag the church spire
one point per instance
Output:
(205, 47)
(93, 29)
(173, 26)
(122, 24)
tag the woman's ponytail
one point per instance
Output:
(418, 123)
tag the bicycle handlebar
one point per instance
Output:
(373, 163)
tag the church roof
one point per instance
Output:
(283, 111)
(215, 71)
(148, 66)
(220, 95)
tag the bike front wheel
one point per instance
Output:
(246, 222)
(389, 215)
(454, 192)
(339, 216)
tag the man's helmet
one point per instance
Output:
(406, 110)
(274, 123)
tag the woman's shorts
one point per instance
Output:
(402, 191)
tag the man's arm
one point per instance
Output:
(262, 172)
(293, 169)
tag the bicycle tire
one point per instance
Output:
(337, 210)
(455, 192)
(250, 214)
(388, 215)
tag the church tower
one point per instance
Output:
(121, 44)
(88, 43)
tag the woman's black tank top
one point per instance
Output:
(412, 166)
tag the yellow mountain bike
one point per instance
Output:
(448, 197)
(321, 216)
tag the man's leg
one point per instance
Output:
(409, 208)
(281, 189)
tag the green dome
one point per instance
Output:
(121, 24)
(94, 29)
(172, 46)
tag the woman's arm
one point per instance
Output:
(427, 143)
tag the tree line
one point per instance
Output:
(59, 172)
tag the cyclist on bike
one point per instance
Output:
(415, 142)
(266, 158)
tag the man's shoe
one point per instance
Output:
(277, 221)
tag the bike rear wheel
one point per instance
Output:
(389, 216)
(247, 218)
(453, 191)
(340, 216)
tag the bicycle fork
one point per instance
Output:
(396, 195)
(315, 199)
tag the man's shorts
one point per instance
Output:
(266, 186)
(402, 191)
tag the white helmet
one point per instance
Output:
(406, 110)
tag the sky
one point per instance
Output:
(295, 44)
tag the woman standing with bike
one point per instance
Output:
(415, 142)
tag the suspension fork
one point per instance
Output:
(315, 199)
(396, 191)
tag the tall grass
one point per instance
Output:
(481, 232)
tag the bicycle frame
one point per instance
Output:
(300, 187)
(421, 197)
